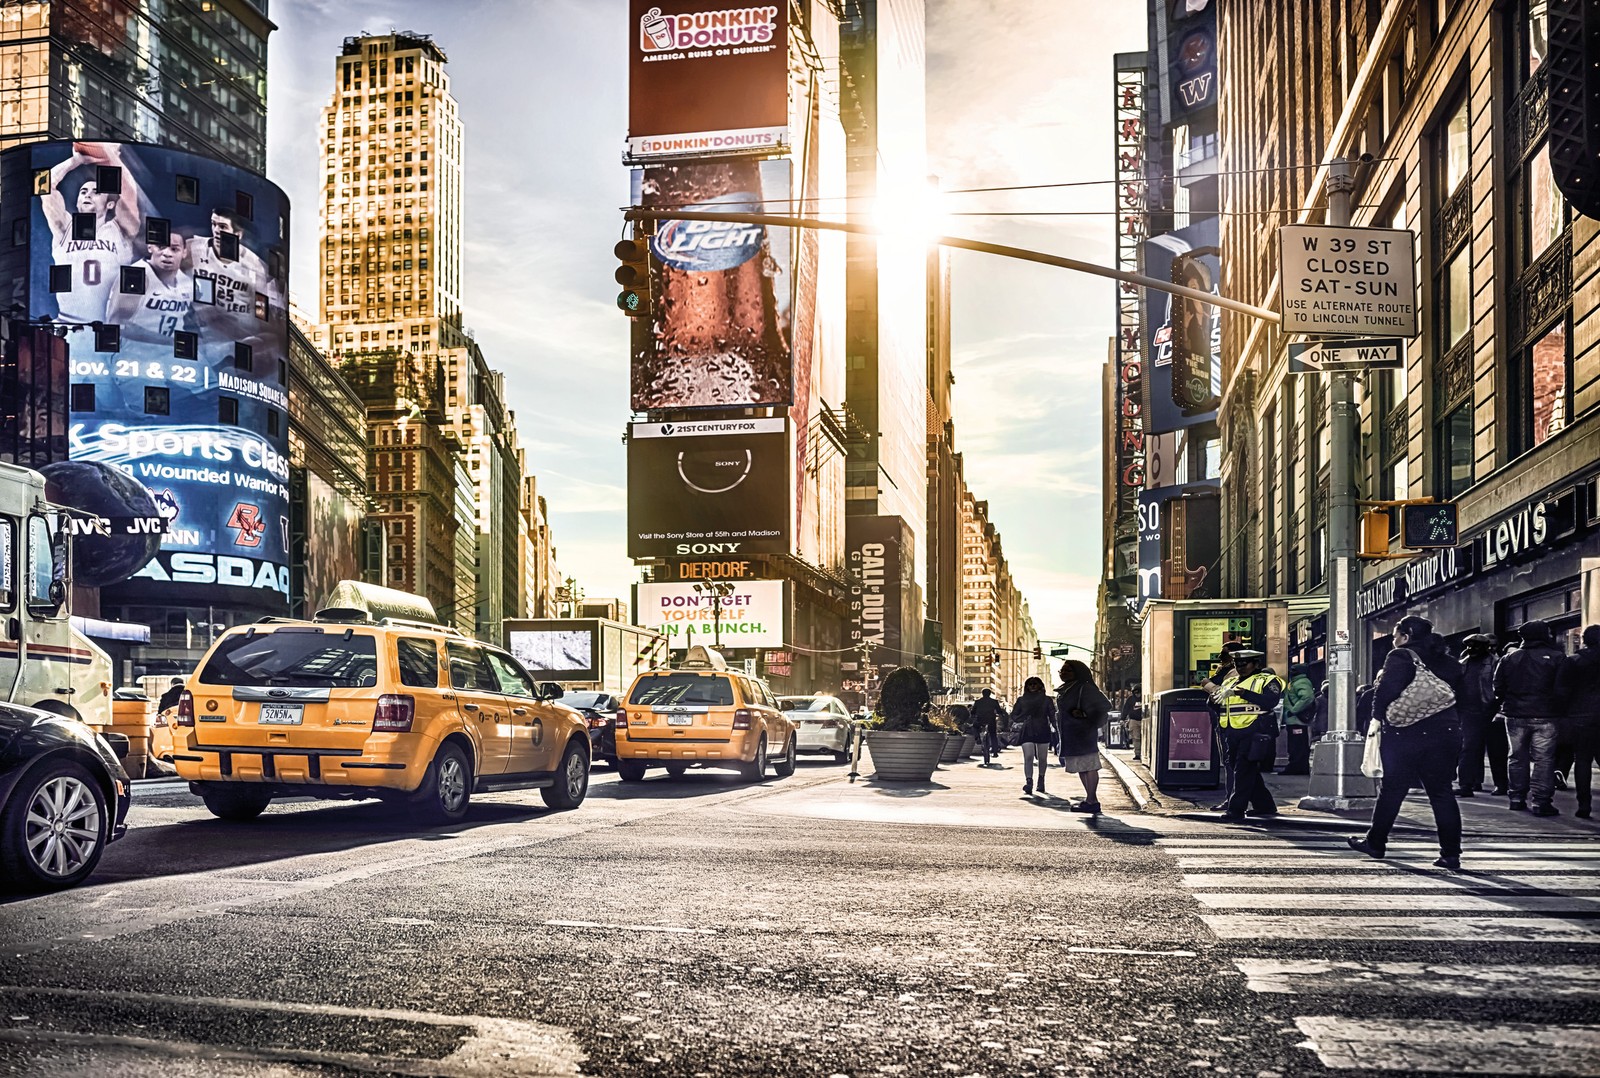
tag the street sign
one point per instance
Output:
(1060, 653)
(1354, 282)
(1429, 525)
(1372, 353)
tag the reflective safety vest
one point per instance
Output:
(1237, 712)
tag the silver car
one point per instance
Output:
(821, 725)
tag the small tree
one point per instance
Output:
(903, 702)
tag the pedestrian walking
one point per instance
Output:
(1243, 706)
(1525, 687)
(1035, 714)
(1081, 708)
(1578, 684)
(1319, 724)
(1414, 701)
(1482, 730)
(1299, 711)
(1133, 720)
(986, 723)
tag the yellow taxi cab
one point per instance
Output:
(701, 714)
(371, 698)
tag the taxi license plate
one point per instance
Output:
(281, 714)
(680, 720)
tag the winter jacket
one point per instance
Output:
(1034, 717)
(1475, 698)
(985, 709)
(1080, 737)
(1399, 671)
(1300, 702)
(1525, 682)
(1578, 685)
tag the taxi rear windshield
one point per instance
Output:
(293, 659)
(688, 689)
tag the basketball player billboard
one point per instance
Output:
(707, 77)
(724, 293)
(698, 489)
(167, 271)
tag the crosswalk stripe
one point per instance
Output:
(1345, 978)
(1320, 903)
(1170, 844)
(1355, 861)
(1390, 880)
(1397, 852)
(1252, 926)
(1554, 1051)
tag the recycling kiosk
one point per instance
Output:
(1187, 754)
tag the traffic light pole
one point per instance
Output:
(1336, 778)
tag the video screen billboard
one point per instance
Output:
(709, 488)
(556, 649)
(333, 540)
(751, 616)
(1183, 361)
(706, 77)
(183, 260)
(724, 293)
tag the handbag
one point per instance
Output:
(1426, 695)
(1371, 752)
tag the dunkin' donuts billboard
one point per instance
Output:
(724, 293)
(707, 78)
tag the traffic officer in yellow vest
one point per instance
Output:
(1244, 705)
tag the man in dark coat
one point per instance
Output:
(1578, 684)
(986, 712)
(169, 699)
(1525, 688)
(1481, 729)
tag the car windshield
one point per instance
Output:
(690, 689)
(293, 659)
(803, 703)
(585, 699)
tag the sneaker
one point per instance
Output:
(1221, 806)
(1518, 806)
(1361, 845)
(1087, 806)
(1547, 810)
(1498, 791)
(1027, 791)
(1560, 780)
(1452, 863)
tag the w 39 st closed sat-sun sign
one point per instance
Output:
(1354, 282)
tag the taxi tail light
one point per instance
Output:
(742, 719)
(394, 714)
(622, 719)
(186, 709)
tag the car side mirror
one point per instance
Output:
(549, 690)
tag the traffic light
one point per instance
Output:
(1375, 533)
(634, 276)
(1574, 36)
(1429, 525)
(1038, 653)
(994, 657)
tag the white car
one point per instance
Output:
(821, 724)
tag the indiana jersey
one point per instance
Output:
(163, 309)
(95, 265)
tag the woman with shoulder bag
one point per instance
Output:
(1081, 709)
(1414, 702)
(1034, 718)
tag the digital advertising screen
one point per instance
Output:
(333, 539)
(709, 488)
(724, 293)
(167, 272)
(553, 650)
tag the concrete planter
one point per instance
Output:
(905, 756)
(969, 745)
(952, 748)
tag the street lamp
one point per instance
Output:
(716, 591)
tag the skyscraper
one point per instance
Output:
(189, 74)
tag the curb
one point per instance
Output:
(1132, 783)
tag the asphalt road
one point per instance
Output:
(803, 926)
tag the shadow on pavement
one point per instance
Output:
(901, 789)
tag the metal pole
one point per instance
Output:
(1336, 778)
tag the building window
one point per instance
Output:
(157, 400)
(186, 189)
(272, 423)
(185, 345)
(228, 411)
(132, 283)
(81, 397)
(61, 278)
(1454, 460)
(244, 356)
(1450, 352)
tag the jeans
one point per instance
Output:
(1480, 733)
(1533, 760)
(1034, 752)
(1423, 755)
(1247, 754)
(985, 733)
(1585, 740)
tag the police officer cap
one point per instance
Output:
(1248, 653)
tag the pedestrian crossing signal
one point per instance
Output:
(1429, 525)
(634, 276)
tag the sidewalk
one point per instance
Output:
(1481, 816)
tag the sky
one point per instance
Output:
(1019, 92)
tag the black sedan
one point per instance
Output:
(599, 710)
(63, 796)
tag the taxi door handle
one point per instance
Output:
(519, 711)
(470, 707)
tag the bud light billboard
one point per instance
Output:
(720, 333)
(166, 273)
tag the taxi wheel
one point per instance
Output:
(756, 770)
(630, 770)
(784, 767)
(677, 770)
(572, 780)
(235, 804)
(53, 831)
(446, 789)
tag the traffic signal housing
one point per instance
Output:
(1429, 525)
(634, 276)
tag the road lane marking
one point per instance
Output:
(1553, 1051)
(1125, 950)
(1230, 926)
(1392, 881)
(1357, 861)
(1316, 904)
(492, 1046)
(1346, 978)
(634, 928)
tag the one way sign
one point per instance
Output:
(1373, 353)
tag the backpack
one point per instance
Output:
(1427, 695)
